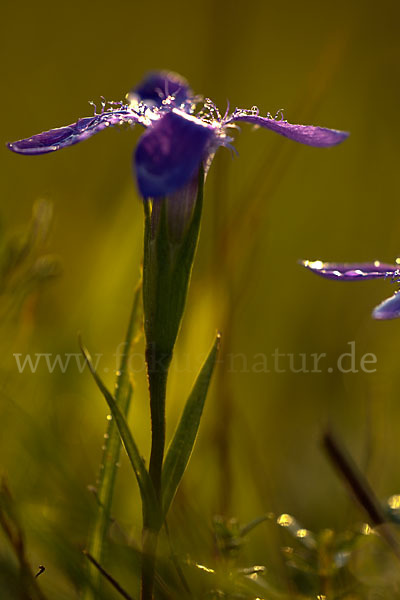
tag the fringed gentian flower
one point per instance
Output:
(178, 138)
(170, 162)
(389, 308)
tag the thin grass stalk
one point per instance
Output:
(110, 458)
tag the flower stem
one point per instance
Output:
(171, 230)
(149, 545)
(158, 366)
(157, 369)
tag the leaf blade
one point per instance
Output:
(181, 446)
(148, 495)
(112, 446)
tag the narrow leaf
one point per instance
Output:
(361, 489)
(107, 576)
(182, 444)
(149, 500)
(111, 452)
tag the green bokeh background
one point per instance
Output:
(333, 64)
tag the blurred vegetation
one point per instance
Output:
(258, 451)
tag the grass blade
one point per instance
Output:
(148, 495)
(108, 577)
(360, 488)
(9, 523)
(182, 444)
(112, 448)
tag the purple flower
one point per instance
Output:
(178, 137)
(389, 308)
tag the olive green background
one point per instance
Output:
(332, 64)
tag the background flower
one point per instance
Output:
(388, 309)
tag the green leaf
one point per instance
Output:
(148, 495)
(182, 444)
(111, 452)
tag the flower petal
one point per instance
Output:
(157, 86)
(61, 137)
(305, 134)
(351, 271)
(388, 309)
(168, 154)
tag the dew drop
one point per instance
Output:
(394, 502)
(204, 568)
(302, 533)
(285, 520)
(366, 529)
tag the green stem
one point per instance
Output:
(157, 369)
(149, 545)
(171, 229)
(158, 375)
(109, 463)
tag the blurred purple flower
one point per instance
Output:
(178, 139)
(389, 308)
